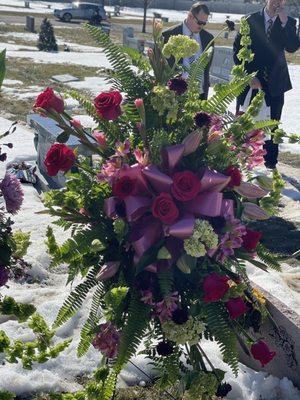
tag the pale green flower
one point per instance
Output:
(164, 100)
(203, 238)
(189, 332)
(180, 46)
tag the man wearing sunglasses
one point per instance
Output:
(193, 26)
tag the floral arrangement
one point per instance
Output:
(159, 216)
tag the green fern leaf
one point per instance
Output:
(75, 299)
(223, 334)
(88, 329)
(123, 75)
(269, 259)
(133, 331)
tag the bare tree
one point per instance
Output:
(146, 6)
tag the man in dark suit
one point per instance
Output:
(193, 27)
(272, 33)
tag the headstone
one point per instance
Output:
(130, 41)
(285, 340)
(222, 64)
(46, 132)
(64, 78)
(30, 24)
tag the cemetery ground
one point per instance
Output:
(27, 75)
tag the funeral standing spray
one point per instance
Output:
(159, 217)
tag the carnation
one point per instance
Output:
(12, 192)
(203, 120)
(178, 85)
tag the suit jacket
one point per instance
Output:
(269, 56)
(205, 38)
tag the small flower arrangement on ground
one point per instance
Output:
(159, 220)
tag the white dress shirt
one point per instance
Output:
(186, 61)
(267, 18)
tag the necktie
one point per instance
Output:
(192, 58)
(270, 22)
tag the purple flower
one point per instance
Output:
(3, 275)
(165, 308)
(107, 340)
(122, 149)
(232, 239)
(178, 85)
(202, 119)
(12, 192)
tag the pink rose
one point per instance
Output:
(139, 103)
(215, 286)
(165, 209)
(101, 138)
(76, 123)
(48, 100)
(186, 185)
(108, 105)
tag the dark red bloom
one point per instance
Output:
(251, 239)
(223, 390)
(203, 119)
(186, 185)
(108, 105)
(215, 286)
(261, 352)
(235, 175)
(180, 316)
(124, 187)
(236, 307)
(178, 85)
(48, 100)
(164, 348)
(4, 275)
(165, 209)
(59, 158)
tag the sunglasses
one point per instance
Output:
(200, 23)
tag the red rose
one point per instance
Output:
(48, 100)
(108, 105)
(59, 158)
(262, 353)
(215, 286)
(124, 187)
(186, 185)
(251, 239)
(235, 175)
(165, 209)
(236, 307)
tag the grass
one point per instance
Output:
(40, 75)
(290, 159)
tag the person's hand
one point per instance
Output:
(255, 83)
(282, 13)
